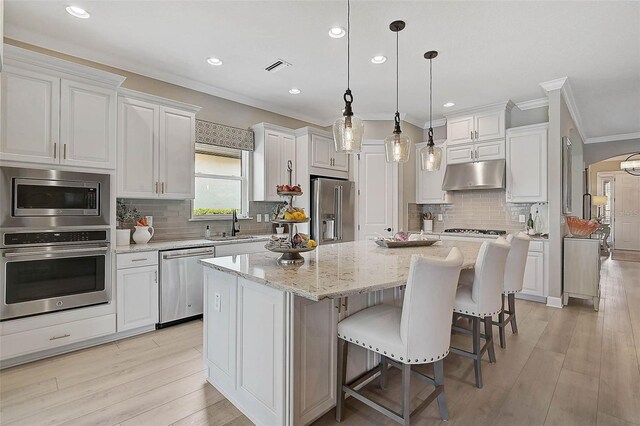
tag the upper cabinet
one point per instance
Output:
(156, 147)
(429, 184)
(274, 147)
(325, 156)
(57, 112)
(526, 153)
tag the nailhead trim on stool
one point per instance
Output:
(392, 356)
(460, 311)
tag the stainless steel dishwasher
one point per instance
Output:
(181, 284)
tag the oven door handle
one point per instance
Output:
(56, 252)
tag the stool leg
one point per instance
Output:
(501, 326)
(438, 375)
(383, 372)
(488, 332)
(406, 393)
(512, 312)
(343, 349)
(475, 325)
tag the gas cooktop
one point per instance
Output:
(475, 231)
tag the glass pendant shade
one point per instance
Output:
(347, 134)
(430, 158)
(397, 147)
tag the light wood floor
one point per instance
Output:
(566, 367)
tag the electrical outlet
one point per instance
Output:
(258, 218)
(266, 217)
(216, 304)
(439, 218)
(522, 218)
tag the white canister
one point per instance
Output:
(143, 234)
(427, 225)
(123, 237)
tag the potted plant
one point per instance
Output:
(125, 214)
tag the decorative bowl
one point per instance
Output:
(581, 227)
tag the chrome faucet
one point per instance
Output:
(235, 226)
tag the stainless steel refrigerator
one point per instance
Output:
(332, 210)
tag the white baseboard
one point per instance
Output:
(531, 297)
(554, 302)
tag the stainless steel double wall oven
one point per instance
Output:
(55, 252)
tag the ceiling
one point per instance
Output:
(489, 52)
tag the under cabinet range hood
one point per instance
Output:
(478, 175)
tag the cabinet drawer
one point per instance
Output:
(536, 246)
(133, 260)
(54, 336)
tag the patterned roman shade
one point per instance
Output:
(220, 135)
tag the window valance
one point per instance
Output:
(220, 135)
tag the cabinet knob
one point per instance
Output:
(388, 229)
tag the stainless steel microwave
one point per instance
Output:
(50, 198)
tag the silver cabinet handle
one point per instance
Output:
(55, 150)
(60, 337)
(64, 151)
(156, 187)
(162, 186)
(476, 135)
(142, 259)
(471, 135)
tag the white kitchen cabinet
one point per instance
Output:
(477, 151)
(489, 125)
(526, 154)
(325, 156)
(136, 291)
(87, 125)
(429, 184)
(460, 130)
(274, 148)
(30, 116)
(478, 124)
(156, 147)
(460, 154)
(57, 112)
(533, 283)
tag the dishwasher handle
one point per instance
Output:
(189, 254)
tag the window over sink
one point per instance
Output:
(221, 182)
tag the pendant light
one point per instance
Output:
(348, 129)
(430, 155)
(397, 145)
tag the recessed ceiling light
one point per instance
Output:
(448, 105)
(212, 60)
(294, 91)
(337, 32)
(379, 59)
(78, 12)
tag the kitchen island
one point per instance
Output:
(270, 329)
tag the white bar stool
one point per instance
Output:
(481, 300)
(417, 333)
(513, 280)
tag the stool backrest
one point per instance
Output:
(516, 262)
(488, 279)
(425, 326)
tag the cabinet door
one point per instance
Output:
(137, 297)
(30, 116)
(137, 171)
(489, 125)
(322, 152)
(274, 175)
(177, 154)
(489, 150)
(429, 184)
(459, 154)
(533, 283)
(340, 160)
(527, 166)
(460, 130)
(87, 125)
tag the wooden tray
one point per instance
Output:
(397, 244)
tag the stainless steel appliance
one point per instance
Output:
(44, 199)
(53, 270)
(181, 284)
(478, 175)
(332, 211)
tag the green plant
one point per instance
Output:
(126, 213)
(207, 211)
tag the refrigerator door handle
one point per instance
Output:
(338, 212)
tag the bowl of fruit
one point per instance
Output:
(291, 247)
(292, 215)
(289, 190)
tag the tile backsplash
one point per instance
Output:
(480, 209)
(171, 219)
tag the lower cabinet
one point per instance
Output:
(534, 283)
(137, 292)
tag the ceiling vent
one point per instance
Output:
(277, 66)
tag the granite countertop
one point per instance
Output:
(189, 243)
(338, 270)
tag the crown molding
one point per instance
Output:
(533, 104)
(153, 98)
(612, 138)
(436, 123)
(564, 86)
(506, 105)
